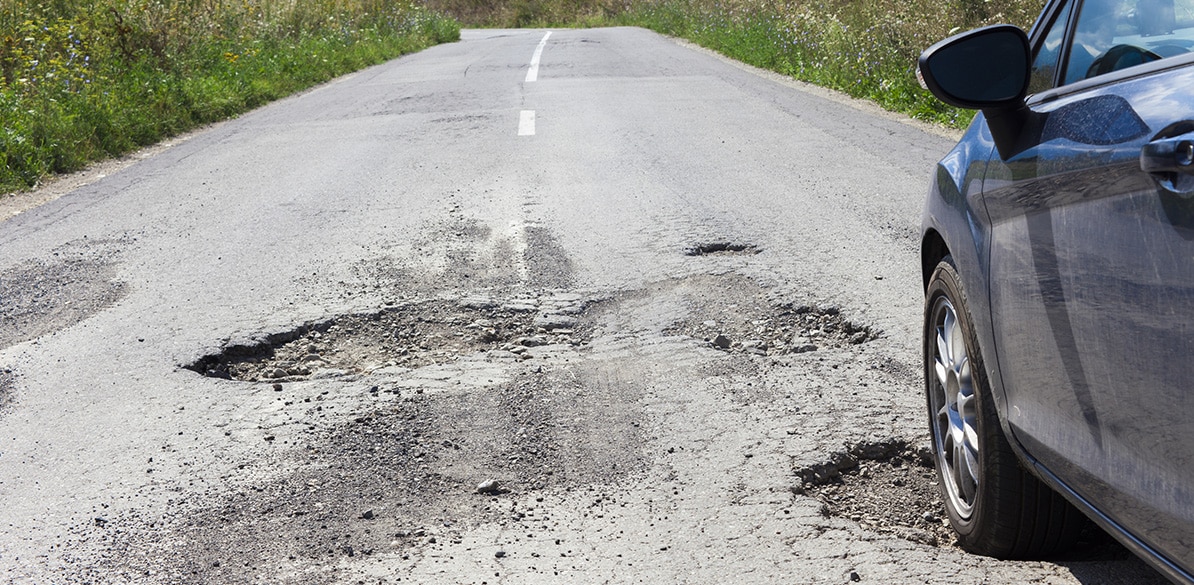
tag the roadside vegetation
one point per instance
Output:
(83, 80)
(864, 48)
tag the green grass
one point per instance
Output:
(864, 48)
(83, 80)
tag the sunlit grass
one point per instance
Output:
(864, 48)
(82, 80)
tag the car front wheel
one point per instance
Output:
(997, 508)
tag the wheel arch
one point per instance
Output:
(932, 250)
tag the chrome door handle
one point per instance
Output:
(1169, 155)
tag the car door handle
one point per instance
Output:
(1169, 155)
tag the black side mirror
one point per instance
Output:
(985, 69)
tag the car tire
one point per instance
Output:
(995, 505)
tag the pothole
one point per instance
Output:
(743, 322)
(889, 487)
(721, 248)
(399, 338)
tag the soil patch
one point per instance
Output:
(417, 471)
(40, 297)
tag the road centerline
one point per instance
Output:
(533, 72)
(526, 123)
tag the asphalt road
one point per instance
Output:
(656, 300)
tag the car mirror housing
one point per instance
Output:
(984, 69)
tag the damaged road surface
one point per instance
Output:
(381, 332)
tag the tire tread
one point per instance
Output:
(1016, 515)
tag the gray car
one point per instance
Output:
(1058, 265)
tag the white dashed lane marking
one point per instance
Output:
(526, 123)
(526, 120)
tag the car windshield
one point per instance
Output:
(1115, 34)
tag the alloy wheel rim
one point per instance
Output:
(954, 410)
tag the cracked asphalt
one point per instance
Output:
(384, 332)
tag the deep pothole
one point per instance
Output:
(721, 249)
(889, 487)
(401, 337)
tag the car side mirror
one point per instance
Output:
(985, 69)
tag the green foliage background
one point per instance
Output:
(864, 48)
(82, 80)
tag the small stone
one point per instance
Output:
(721, 341)
(855, 577)
(490, 487)
(554, 321)
(275, 373)
(277, 387)
(500, 554)
(858, 338)
(368, 515)
(804, 348)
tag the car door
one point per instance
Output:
(1092, 264)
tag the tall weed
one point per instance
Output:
(82, 80)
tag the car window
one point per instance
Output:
(1116, 34)
(1048, 55)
